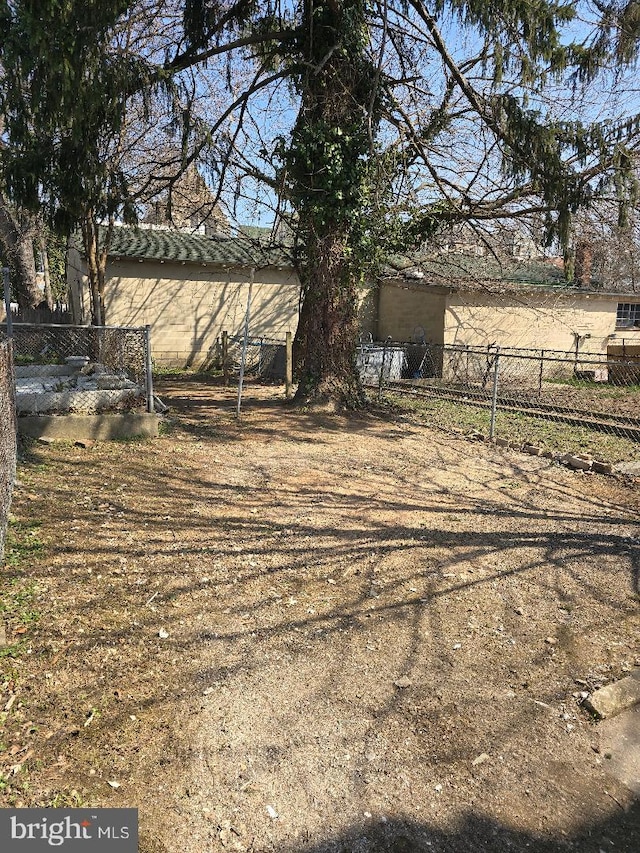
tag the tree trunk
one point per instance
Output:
(24, 263)
(326, 169)
(324, 347)
(96, 248)
(17, 232)
(48, 295)
(584, 262)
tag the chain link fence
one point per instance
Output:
(7, 436)
(558, 400)
(81, 369)
(265, 357)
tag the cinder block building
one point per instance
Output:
(190, 288)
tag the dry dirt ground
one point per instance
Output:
(308, 633)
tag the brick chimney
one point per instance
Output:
(584, 261)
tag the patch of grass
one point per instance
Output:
(600, 389)
(131, 439)
(39, 359)
(562, 437)
(190, 372)
(159, 372)
(30, 455)
(17, 594)
(518, 428)
(15, 650)
(14, 788)
(167, 426)
(23, 542)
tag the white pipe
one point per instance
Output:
(245, 342)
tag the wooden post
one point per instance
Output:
(289, 366)
(225, 357)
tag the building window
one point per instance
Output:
(628, 315)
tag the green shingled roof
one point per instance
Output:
(465, 270)
(168, 245)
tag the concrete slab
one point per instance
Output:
(108, 426)
(620, 748)
(628, 468)
(616, 697)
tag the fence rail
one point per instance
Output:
(85, 369)
(7, 436)
(509, 390)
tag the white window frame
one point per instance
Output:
(628, 315)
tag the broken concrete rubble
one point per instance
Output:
(616, 697)
(86, 387)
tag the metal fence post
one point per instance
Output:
(381, 377)
(148, 369)
(494, 395)
(7, 301)
(541, 371)
(8, 445)
(225, 357)
(245, 342)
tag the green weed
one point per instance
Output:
(23, 542)
(518, 428)
(17, 594)
(600, 389)
(66, 800)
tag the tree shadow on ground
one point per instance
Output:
(474, 834)
(268, 573)
(202, 409)
(477, 834)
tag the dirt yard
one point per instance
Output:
(300, 632)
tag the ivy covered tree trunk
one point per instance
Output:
(44, 253)
(326, 168)
(328, 328)
(28, 293)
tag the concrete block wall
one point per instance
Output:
(368, 295)
(188, 306)
(404, 308)
(531, 320)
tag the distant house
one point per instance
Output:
(190, 288)
(187, 205)
(474, 301)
